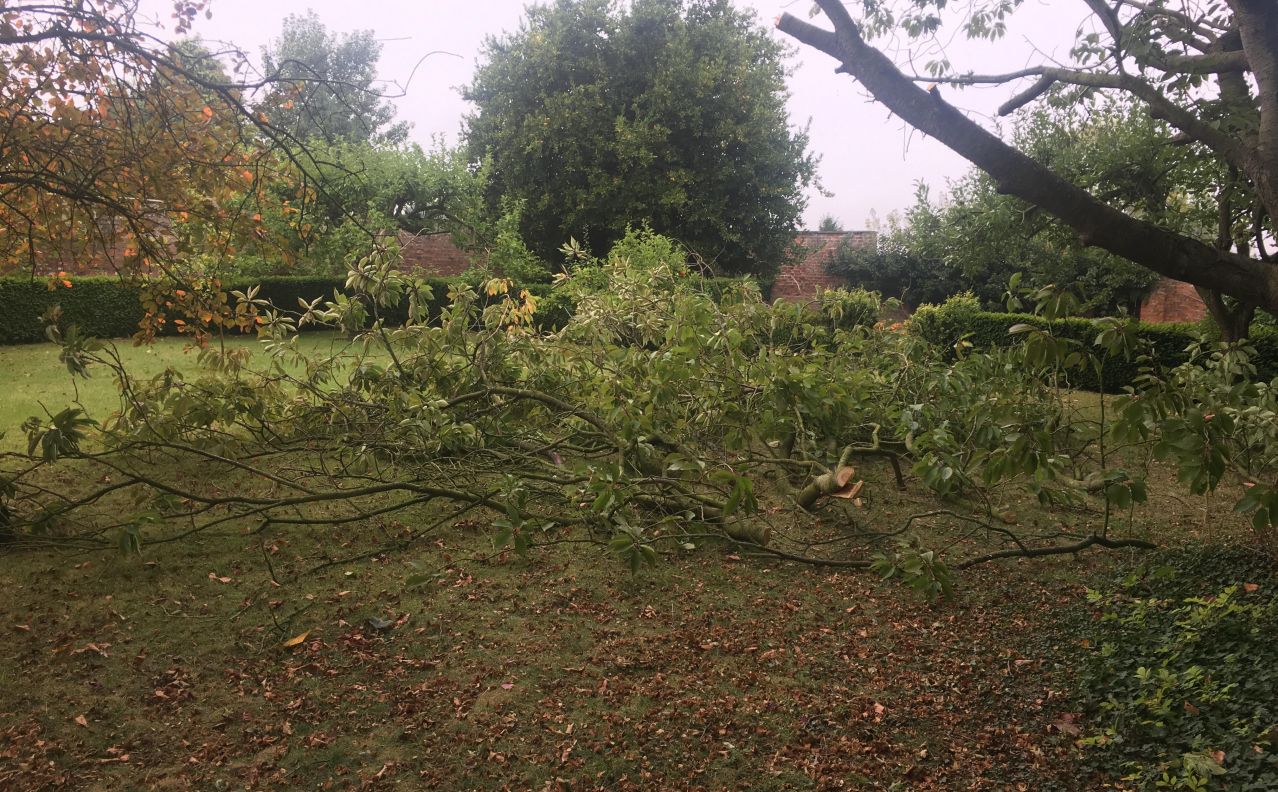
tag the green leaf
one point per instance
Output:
(504, 536)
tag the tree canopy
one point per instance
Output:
(666, 112)
(124, 152)
(114, 145)
(325, 85)
(1208, 70)
(830, 225)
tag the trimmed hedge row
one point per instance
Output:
(106, 307)
(103, 307)
(947, 324)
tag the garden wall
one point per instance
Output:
(805, 279)
(1172, 301)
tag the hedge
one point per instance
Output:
(956, 320)
(102, 307)
(107, 307)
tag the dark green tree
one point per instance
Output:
(325, 85)
(669, 113)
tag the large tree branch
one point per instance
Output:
(1014, 173)
(1208, 63)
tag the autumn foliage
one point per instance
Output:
(116, 154)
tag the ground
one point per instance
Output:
(33, 376)
(237, 661)
(563, 671)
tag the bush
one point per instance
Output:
(554, 307)
(106, 307)
(102, 307)
(844, 309)
(960, 319)
(1181, 690)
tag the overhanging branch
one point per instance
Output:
(1097, 224)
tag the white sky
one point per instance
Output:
(870, 161)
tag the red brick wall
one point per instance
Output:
(1172, 301)
(807, 278)
(106, 253)
(434, 254)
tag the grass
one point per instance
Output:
(37, 381)
(709, 671)
(706, 672)
(235, 660)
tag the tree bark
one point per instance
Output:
(1233, 321)
(1257, 22)
(1097, 224)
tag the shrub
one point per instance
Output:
(554, 307)
(844, 309)
(101, 306)
(950, 322)
(106, 307)
(959, 324)
(1181, 689)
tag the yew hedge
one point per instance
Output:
(106, 307)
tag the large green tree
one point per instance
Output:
(1207, 68)
(597, 115)
(325, 86)
(351, 197)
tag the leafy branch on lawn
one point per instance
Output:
(647, 421)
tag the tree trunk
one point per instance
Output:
(1233, 321)
(1257, 23)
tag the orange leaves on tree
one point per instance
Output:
(108, 147)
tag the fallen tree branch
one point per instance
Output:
(1040, 552)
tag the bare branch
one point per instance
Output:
(1036, 90)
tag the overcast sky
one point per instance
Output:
(869, 160)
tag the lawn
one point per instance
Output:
(37, 381)
(563, 672)
(382, 654)
(313, 658)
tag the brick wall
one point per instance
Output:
(433, 254)
(105, 253)
(807, 278)
(1172, 301)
